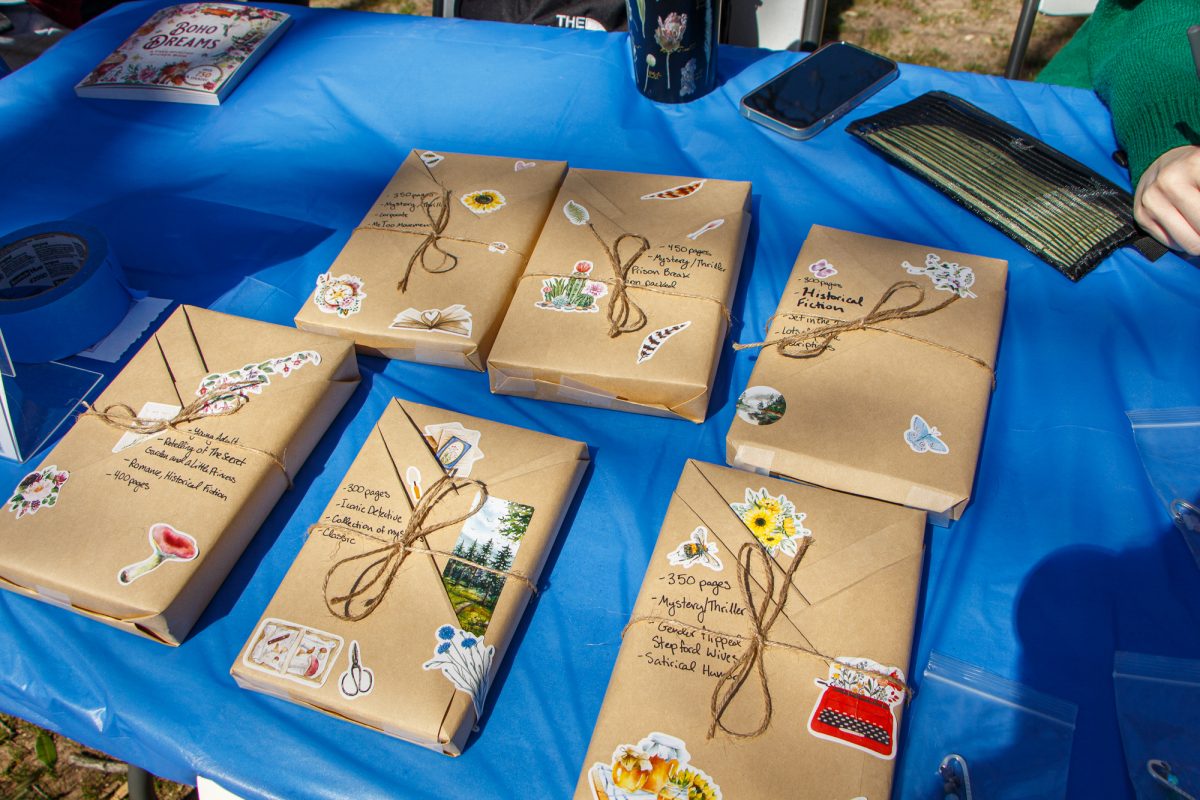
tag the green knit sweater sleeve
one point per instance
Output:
(1136, 57)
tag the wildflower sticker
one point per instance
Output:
(295, 652)
(774, 521)
(946, 275)
(465, 660)
(857, 706)
(659, 766)
(922, 438)
(483, 201)
(342, 295)
(696, 549)
(167, 543)
(251, 378)
(37, 490)
(575, 292)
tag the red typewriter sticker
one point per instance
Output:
(857, 706)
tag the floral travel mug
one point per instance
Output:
(674, 44)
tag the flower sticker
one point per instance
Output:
(465, 660)
(342, 295)
(252, 378)
(946, 275)
(483, 201)
(37, 490)
(576, 292)
(774, 521)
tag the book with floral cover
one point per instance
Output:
(190, 53)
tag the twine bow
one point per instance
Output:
(372, 583)
(431, 240)
(624, 315)
(762, 616)
(128, 420)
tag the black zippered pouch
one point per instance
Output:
(1058, 209)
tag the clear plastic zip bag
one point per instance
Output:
(1012, 742)
(1168, 440)
(1158, 705)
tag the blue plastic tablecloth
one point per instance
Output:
(1063, 556)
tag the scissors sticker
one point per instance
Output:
(357, 680)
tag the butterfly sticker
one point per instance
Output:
(823, 269)
(924, 439)
(697, 549)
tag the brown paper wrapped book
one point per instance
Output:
(138, 514)
(876, 373)
(766, 652)
(400, 605)
(429, 272)
(624, 303)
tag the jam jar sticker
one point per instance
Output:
(857, 706)
(656, 768)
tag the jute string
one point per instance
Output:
(751, 661)
(374, 581)
(128, 421)
(520, 577)
(432, 239)
(790, 345)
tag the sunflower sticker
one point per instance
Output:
(774, 521)
(483, 201)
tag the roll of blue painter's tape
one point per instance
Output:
(61, 290)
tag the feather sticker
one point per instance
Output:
(676, 192)
(705, 228)
(577, 214)
(655, 340)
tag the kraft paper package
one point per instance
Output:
(876, 372)
(428, 273)
(624, 303)
(139, 513)
(795, 691)
(402, 601)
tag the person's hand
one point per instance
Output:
(1167, 202)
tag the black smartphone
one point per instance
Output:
(804, 99)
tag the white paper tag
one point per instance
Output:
(141, 314)
(149, 411)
